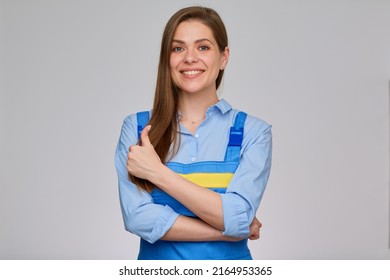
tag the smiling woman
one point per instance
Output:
(192, 171)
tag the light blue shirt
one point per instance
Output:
(151, 221)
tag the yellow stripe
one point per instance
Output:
(210, 180)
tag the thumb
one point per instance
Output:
(145, 136)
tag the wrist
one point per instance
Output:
(229, 238)
(160, 175)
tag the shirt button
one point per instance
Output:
(196, 135)
(193, 159)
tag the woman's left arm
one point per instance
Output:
(232, 212)
(246, 189)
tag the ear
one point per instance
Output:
(224, 58)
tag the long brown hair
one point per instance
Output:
(163, 120)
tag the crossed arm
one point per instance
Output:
(143, 162)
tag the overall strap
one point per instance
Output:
(142, 119)
(235, 138)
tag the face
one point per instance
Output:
(195, 58)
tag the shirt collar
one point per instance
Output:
(222, 105)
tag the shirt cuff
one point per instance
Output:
(164, 223)
(235, 216)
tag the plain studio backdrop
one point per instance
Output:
(318, 71)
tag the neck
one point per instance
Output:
(194, 106)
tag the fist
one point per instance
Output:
(254, 229)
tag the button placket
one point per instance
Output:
(196, 143)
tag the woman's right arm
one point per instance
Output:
(141, 216)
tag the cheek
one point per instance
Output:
(174, 74)
(174, 61)
(216, 65)
(172, 66)
(215, 62)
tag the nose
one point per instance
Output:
(190, 56)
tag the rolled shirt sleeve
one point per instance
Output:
(141, 215)
(244, 193)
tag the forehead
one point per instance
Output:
(192, 30)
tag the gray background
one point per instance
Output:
(318, 71)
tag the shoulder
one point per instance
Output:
(257, 124)
(132, 120)
(129, 131)
(257, 133)
(252, 123)
(129, 125)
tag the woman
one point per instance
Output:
(193, 170)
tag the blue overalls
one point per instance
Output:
(214, 175)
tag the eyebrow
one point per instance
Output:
(196, 42)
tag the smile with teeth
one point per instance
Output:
(191, 72)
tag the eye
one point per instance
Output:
(177, 49)
(204, 48)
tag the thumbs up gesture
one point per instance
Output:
(142, 160)
(145, 136)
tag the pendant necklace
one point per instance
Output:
(193, 122)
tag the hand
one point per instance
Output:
(143, 160)
(254, 229)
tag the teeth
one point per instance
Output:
(192, 72)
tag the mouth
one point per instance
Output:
(191, 72)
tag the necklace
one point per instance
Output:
(193, 122)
